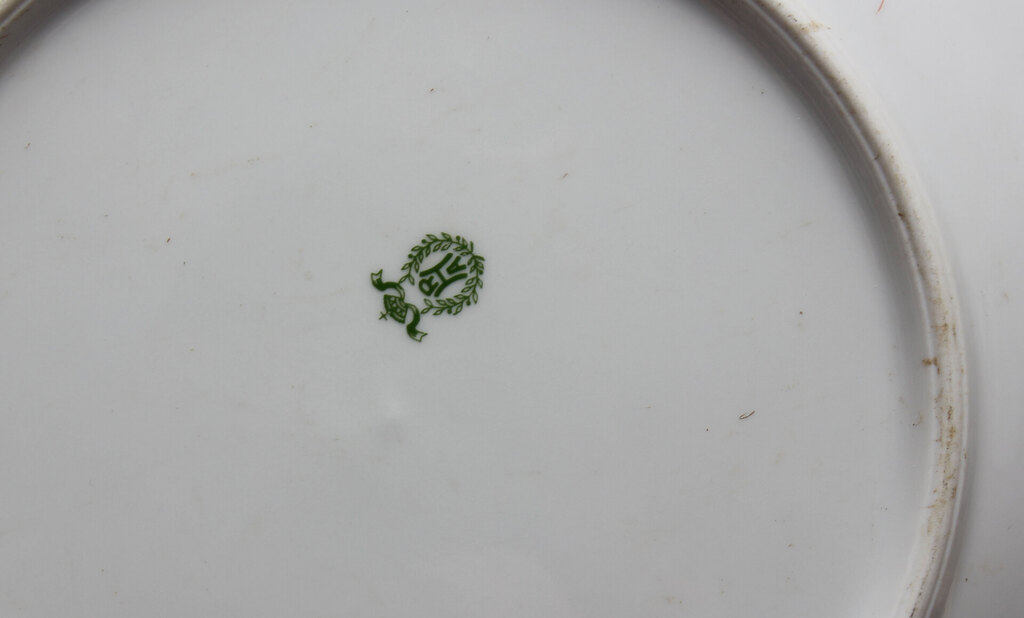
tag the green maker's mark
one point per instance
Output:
(443, 270)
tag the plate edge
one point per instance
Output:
(854, 113)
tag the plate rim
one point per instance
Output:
(804, 51)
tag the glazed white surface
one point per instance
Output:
(269, 443)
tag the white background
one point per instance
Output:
(949, 75)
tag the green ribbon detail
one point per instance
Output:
(396, 307)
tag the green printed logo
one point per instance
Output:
(443, 271)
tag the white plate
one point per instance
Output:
(714, 369)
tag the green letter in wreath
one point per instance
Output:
(443, 270)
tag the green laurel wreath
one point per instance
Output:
(432, 244)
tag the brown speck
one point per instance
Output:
(27, 145)
(168, 239)
(744, 417)
(565, 175)
(431, 90)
